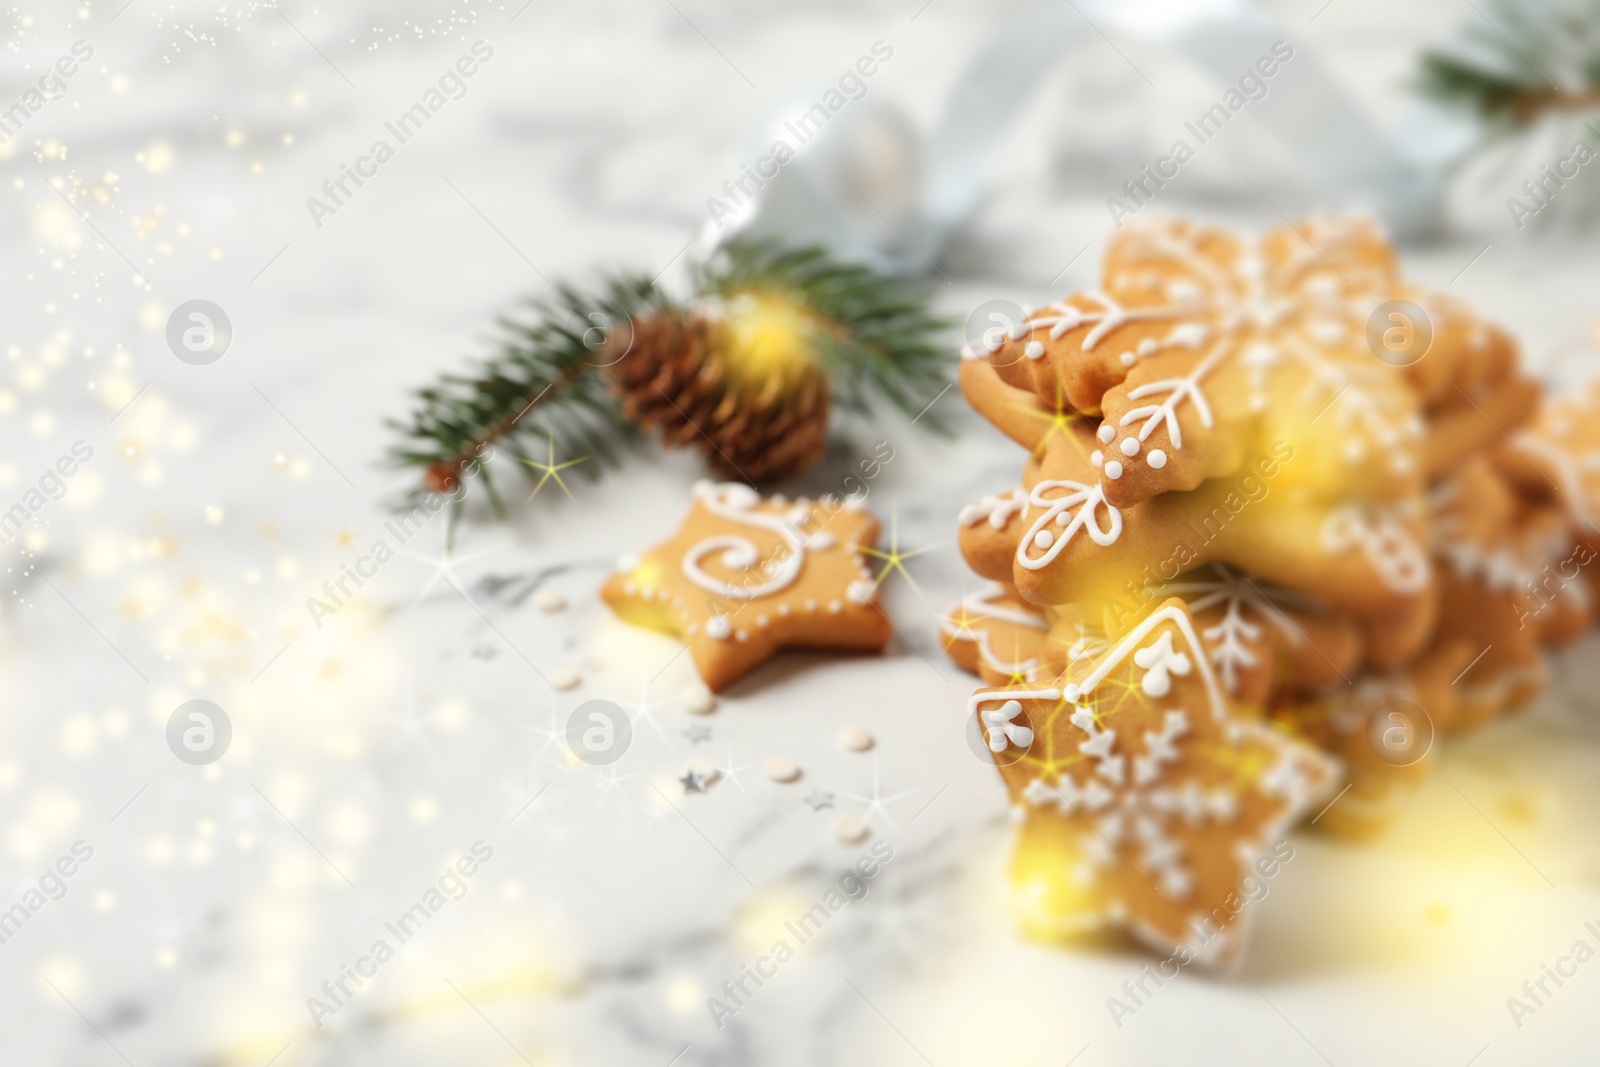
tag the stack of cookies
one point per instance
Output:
(1274, 528)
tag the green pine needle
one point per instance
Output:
(1514, 61)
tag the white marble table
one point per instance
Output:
(370, 753)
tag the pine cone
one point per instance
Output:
(676, 373)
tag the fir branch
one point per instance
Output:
(881, 338)
(537, 387)
(876, 339)
(1515, 61)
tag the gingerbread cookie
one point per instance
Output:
(1555, 462)
(1144, 800)
(1070, 545)
(744, 577)
(1488, 565)
(1199, 351)
(995, 634)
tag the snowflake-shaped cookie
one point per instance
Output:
(744, 577)
(1199, 349)
(1143, 800)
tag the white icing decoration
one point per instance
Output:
(1388, 545)
(1177, 389)
(1061, 317)
(1130, 446)
(1003, 730)
(1161, 662)
(718, 626)
(1033, 350)
(1128, 359)
(1106, 432)
(1113, 470)
(736, 502)
(1230, 639)
(628, 561)
(1097, 457)
(821, 541)
(860, 592)
(1087, 499)
(997, 509)
(981, 604)
(1157, 458)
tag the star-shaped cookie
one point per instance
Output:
(1142, 799)
(746, 576)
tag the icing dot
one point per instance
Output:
(1157, 458)
(834, 607)
(811, 605)
(1097, 457)
(1033, 350)
(761, 621)
(719, 627)
(1113, 470)
(1071, 692)
(860, 592)
(780, 768)
(783, 609)
(1147, 346)
(1106, 432)
(549, 598)
(1128, 359)
(697, 700)
(1130, 446)
(742, 635)
(821, 541)
(1044, 539)
(630, 588)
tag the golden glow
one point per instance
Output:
(767, 338)
(550, 469)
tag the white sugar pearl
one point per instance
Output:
(1113, 470)
(1130, 446)
(1147, 346)
(719, 627)
(1106, 433)
(780, 768)
(549, 598)
(1157, 458)
(564, 678)
(1043, 539)
(698, 700)
(849, 830)
(1033, 350)
(1097, 457)
(1128, 359)
(855, 738)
